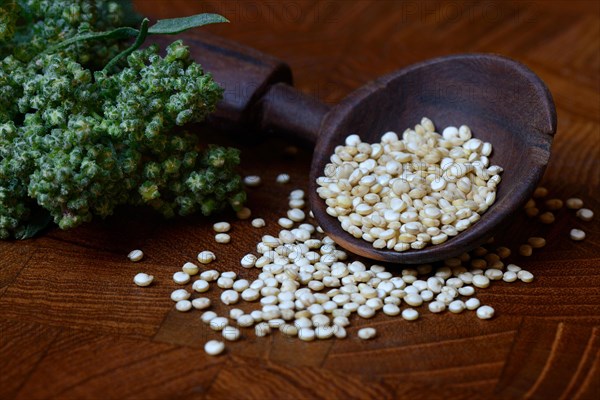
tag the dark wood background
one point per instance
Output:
(73, 325)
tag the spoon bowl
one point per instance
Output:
(503, 103)
(501, 100)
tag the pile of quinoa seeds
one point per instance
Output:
(307, 288)
(412, 192)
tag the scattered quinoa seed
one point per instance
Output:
(206, 257)
(585, 214)
(410, 314)
(367, 333)
(525, 250)
(282, 178)
(190, 268)
(485, 312)
(214, 347)
(574, 203)
(222, 227)
(577, 234)
(554, 204)
(143, 279)
(547, 218)
(252, 180)
(244, 213)
(135, 255)
(181, 278)
(183, 305)
(222, 238)
(540, 192)
(536, 242)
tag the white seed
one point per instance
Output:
(574, 203)
(297, 194)
(585, 214)
(250, 294)
(248, 261)
(222, 227)
(230, 297)
(201, 303)
(209, 275)
(509, 276)
(282, 178)
(367, 333)
(208, 316)
(214, 347)
(181, 278)
(296, 215)
(340, 332)
(190, 268)
(481, 281)
(143, 279)
(472, 304)
(183, 305)
(244, 213)
(240, 285)
(229, 274)
(206, 257)
(365, 311)
(296, 203)
(437, 306)
(180, 294)
(231, 333)
(200, 286)
(485, 312)
(135, 255)
(222, 238)
(525, 276)
(262, 329)
(493, 274)
(324, 332)
(410, 314)
(224, 282)
(245, 320)
(257, 315)
(252, 180)
(513, 268)
(258, 223)
(218, 323)
(306, 334)
(285, 223)
(288, 330)
(413, 299)
(456, 307)
(577, 234)
(391, 309)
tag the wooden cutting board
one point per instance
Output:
(73, 325)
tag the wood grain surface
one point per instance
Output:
(74, 326)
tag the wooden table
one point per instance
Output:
(73, 325)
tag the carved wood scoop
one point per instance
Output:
(502, 101)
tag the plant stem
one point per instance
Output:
(136, 45)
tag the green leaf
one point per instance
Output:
(119, 33)
(177, 25)
(39, 221)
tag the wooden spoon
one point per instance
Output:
(502, 101)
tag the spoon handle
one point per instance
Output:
(258, 88)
